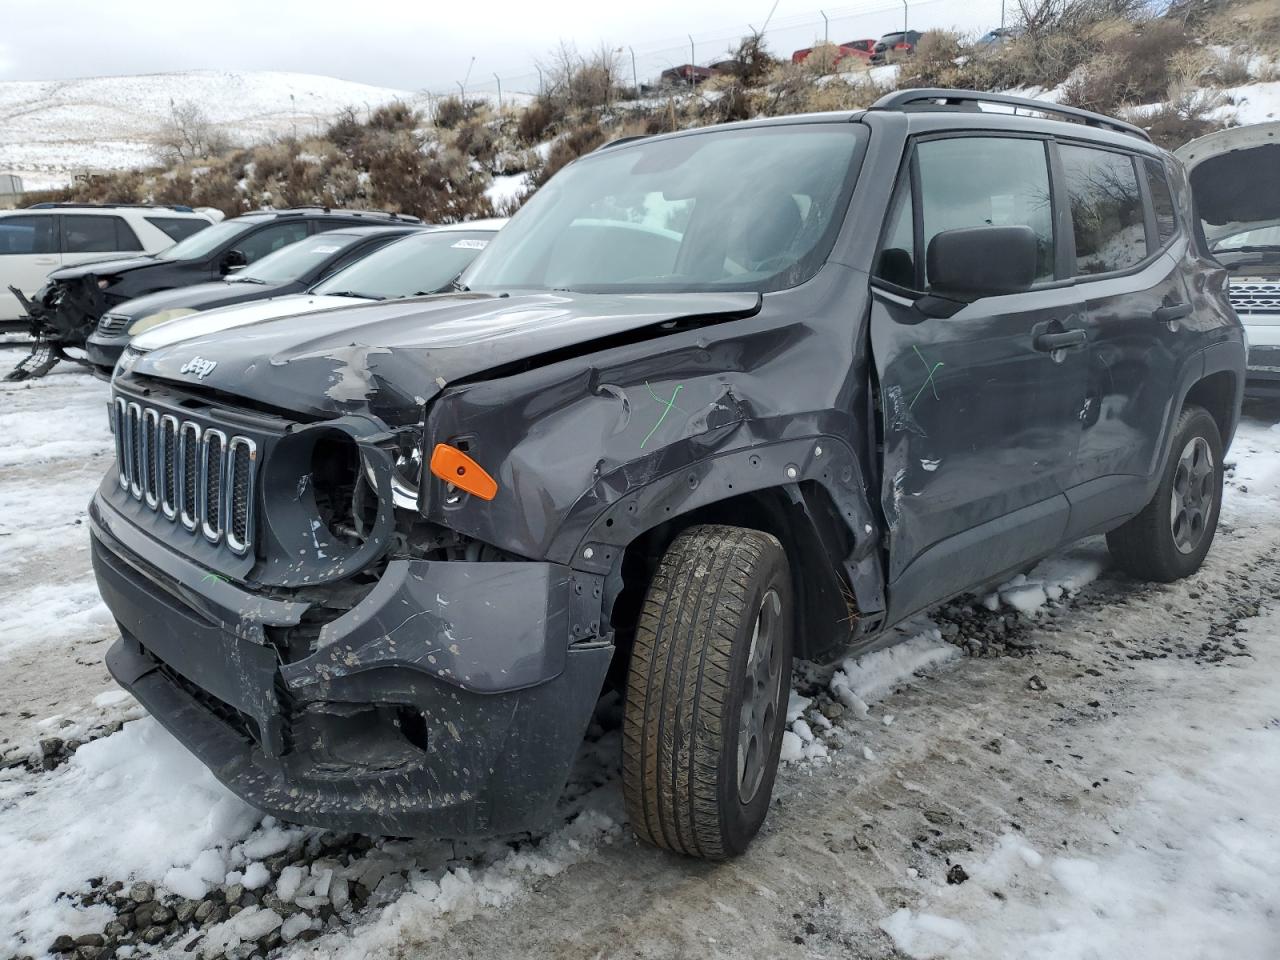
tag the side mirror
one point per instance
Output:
(233, 260)
(982, 261)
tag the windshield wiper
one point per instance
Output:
(245, 280)
(1251, 248)
(457, 286)
(354, 293)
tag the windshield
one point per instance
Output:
(201, 244)
(745, 210)
(296, 260)
(420, 263)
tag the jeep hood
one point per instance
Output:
(100, 268)
(389, 358)
(1235, 179)
(236, 315)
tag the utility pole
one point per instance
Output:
(498, 80)
(539, 69)
(1001, 14)
(692, 58)
(635, 82)
(293, 111)
(826, 28)
(905, 13)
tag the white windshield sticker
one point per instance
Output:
(471, 244)
(327, 248)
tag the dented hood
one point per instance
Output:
(98, 268)
(1235, 178)
(389, 358)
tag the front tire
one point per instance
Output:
(1169, 539)
(707, 691)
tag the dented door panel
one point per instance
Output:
(979, 425)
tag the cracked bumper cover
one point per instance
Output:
(450, 702)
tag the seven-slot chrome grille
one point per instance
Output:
(193, 474)
(1254, 296)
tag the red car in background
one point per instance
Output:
(853, 48)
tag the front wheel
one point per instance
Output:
(707, 691)
(1168, 540)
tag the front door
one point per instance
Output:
(981, 410)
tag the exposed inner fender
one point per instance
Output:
(626, 505)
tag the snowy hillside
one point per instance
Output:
(52, 130)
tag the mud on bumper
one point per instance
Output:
(450, 702)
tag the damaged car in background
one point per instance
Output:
(291, 269)
(428, 261)
(67, 308)
(1235, 176)
(675, 426)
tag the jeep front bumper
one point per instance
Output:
(449, 702)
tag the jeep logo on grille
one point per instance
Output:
(199, 366)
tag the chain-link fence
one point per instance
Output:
(643, 65)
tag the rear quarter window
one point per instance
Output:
(1161, 201)
(85, 233)
(177, 228)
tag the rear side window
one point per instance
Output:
(987, 181)
(97, 234)
(177, 228)
(27, 235)
(1106, 209)
(1161, 201)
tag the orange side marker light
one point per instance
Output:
(453, 466)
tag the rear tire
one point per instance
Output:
(707, 691)
(1168, 540)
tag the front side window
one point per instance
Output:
(1106, 209)
(742, 210)
(97, 234)
(270, 239)
(987, 181)
(28, 235)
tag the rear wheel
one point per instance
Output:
(707, 690)
(1168, 540)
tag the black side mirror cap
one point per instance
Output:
(233, 260)
(976, 262)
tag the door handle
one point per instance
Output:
(1048, 342)
(1169, 314)
(46, 261)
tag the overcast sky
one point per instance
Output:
(416, 45)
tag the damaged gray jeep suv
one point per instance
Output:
(712, 400)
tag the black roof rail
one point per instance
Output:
(339, 211)
(68, 205)
(939, 99)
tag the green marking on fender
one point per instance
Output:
(666, 408)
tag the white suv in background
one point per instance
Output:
(40, 239)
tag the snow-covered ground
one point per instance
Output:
(1095, 779)
(52, 130)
